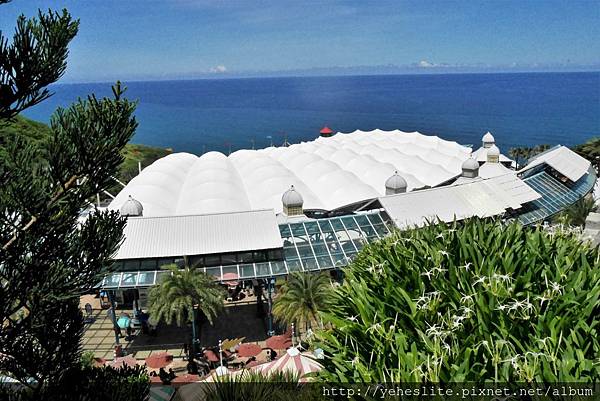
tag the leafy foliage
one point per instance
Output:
(38, 132)
(475, 302)
(522, 154)
(47, 258)
(256, 386)
(576, 214)
(301, 299)
(34, 59)
(174, 298)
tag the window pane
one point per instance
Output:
(131, 265)
(339, 259)
(305, 251)
(214, 271)
(212, 260)
(128, 279)
(262, 269)
(312, 228)
(113, 280)
(320, 248)
(298, 230)
(230, 269)
(362, 220)
(247, 271)
(146, 278)
(148, 264)
(310, 264)
(275, 254)
(290, 253)
(196, 261)
(165, 261)
(228, 259)
(278, 268)
(259, 256)
(245, 257)
(349, 222)
(294, 265)
(325, 262)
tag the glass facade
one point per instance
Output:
(312, 245)
(556, 195)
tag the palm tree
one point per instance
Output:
(181, 294)
(301, 299)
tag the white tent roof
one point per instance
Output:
(328, 172)
(482, 198)
(563, 160)
(155, 237)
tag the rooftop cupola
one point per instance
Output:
(395, 184)
(470, 168)
(326, 132)
(488, 140)
(132, 208)
(493, 154)
(292, 202)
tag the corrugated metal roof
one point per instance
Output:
(563, 160)
(155, 237)
(482, 198)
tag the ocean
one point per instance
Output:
(520, 109)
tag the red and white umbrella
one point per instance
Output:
(122, 361)
(292, 361)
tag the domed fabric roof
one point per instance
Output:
(330, 173)
(131, 208)
(488, 138)
(470, 164)
(396, 182)
(292, 198)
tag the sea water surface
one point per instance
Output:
(520, 109)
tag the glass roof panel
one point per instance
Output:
(556, 196)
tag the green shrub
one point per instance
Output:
(476, 301)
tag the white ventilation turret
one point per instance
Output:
(292, 202)
(488, 140)
(395, 184)
(470, 168)
(132, 208)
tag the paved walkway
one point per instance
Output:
(237, 320)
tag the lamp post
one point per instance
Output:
(113, 315)
(194, 331)
(270, 284)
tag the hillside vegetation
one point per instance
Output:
(133, 153)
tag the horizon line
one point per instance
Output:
(282, 74)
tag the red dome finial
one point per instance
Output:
(326, 131)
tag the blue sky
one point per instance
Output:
(155, 39)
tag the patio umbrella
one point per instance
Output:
(279, 342)
(159, 360)
(123, 360)
(231, 279)
(292, 361)
(248, 350)
(123, 322)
